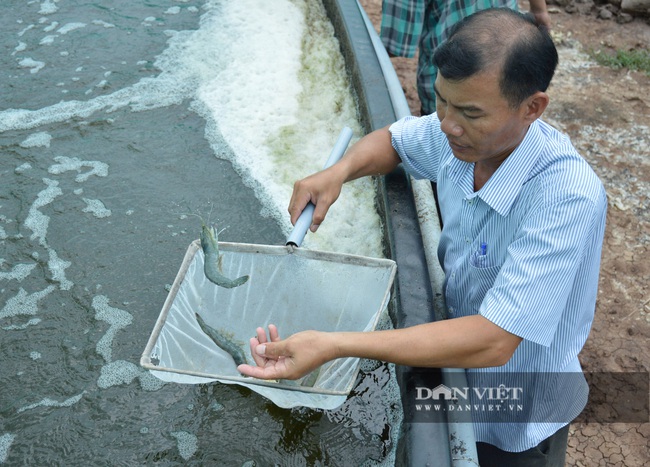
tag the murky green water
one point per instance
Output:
(117, 118)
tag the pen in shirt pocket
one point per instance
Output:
(481, 256)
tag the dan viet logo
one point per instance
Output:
(492, 399)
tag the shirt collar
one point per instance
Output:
(503, 187)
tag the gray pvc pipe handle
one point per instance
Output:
(301, 227)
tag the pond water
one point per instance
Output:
(118, 119)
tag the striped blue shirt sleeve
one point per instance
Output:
(411, 137)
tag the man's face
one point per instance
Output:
(478, 121)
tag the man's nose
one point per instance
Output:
(449, 125)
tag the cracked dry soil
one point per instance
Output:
(606, 114)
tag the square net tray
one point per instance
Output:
(294, 288)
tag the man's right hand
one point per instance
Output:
(322, 189)
(371, 155)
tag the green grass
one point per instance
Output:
(637, 59)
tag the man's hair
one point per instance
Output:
(512, 41)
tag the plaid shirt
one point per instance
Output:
(409, 24)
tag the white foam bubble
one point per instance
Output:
(99, 22)
(48, 7)
(19, 48)
(47, 40)
(24, 30)
(36, 221)
(122, 372)
(47, 402)
(57, 268)
(23, 168)
(51, 27)
(116, 318)
(19, 272)
(96, 207)
(187, 443)
(66, 164)
(35, 140)
(34, 65)
(17, 327)
(35, 355)
(174, 10)
(6, 441)
(23, 303)
(66, 28)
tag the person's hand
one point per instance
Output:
(290, 358)
(540, 13)
(321, 189)
(542, 18)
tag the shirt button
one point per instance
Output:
(451, 309)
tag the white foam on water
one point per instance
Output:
(36, 140)
(51, 27)
(6, 441)
(19, 272)
(174, 10)
(47, 402)
(17, 327)
(118, 372)
(24, 30)
(187, 443)
(116, 318)
(57, 268)
(96, 207)
(35, 355)
(36, 221)
(66, 28)
(23, 168)
(47, 40)
(48, 7)
(19, 48)
(34, 65)
(99, 22)
(66, 164)
(122, 372)
(23, 303)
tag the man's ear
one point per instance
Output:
(534, 106)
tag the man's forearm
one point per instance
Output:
(371, 155)
(468, 342)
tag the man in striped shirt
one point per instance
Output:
(523, 222)
(409, 25)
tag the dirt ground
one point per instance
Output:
(606, 113)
